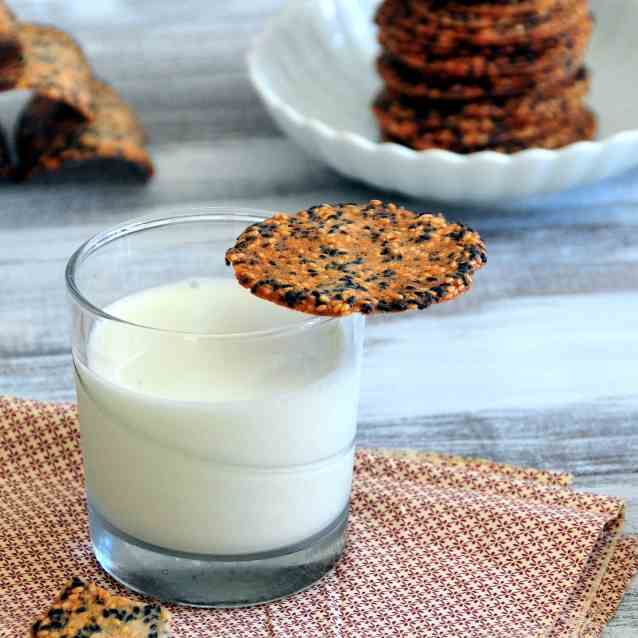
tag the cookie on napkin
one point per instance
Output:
(87, 611)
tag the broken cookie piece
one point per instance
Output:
(51, 64)
(87, 611)
(51, 136)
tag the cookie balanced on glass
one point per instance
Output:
(218, 426)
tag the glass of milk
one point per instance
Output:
(217, 428)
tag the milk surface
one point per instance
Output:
(205, 441)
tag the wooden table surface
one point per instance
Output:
(538, 365)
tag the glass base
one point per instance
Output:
(215, 581)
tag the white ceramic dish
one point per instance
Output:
(314, 68)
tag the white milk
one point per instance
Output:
(218, 445)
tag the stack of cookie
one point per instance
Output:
(472, 75)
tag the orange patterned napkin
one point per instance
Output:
(438, 546)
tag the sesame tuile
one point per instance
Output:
(339, 259)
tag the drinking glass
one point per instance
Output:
(217, 437)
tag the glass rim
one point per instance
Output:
(150, 222)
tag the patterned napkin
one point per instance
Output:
(438, 547)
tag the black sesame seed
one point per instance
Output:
(75, 584)
(292, 298)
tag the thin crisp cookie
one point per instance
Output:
(52, 65)
(336, 260)
(467, 17)
(410, 82)
(568, 48)
(10, 50)
(50, 135)
(487, 8)
(87, 611)
(410, 118)
(466, 137)
(581, 129)
(396, 17)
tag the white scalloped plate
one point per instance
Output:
(314, 69)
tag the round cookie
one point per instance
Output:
(470, 139)
(413, 117)
(527, 106)
(404, 123)
(580, 129)
(568, 49)
(404, 80)
(406, 42)
(334, 260)
(451, 16)
(396, 18)
(496, 8)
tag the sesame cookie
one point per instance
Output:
(87, 611)
(568, 49)
(335, 260)
(472, 139)
(407, 81)
(9, 44)
(398, 20)
(52, 65)
(493, 8)
(466, 16)
(581, 128)
(393, 109)
(406, 44)
(50, 135)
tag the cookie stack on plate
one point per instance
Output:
(473, 75)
